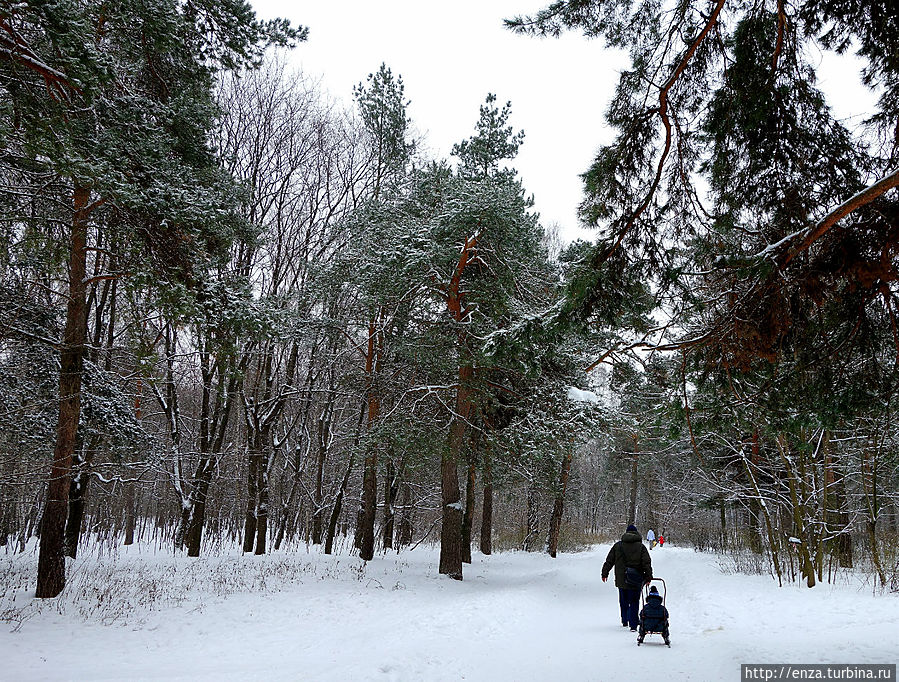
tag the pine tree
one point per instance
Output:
(382, 107)
(119, 109)
(781, 274)
(492, 240)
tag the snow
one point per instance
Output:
(580, 396)
(516, 616)
(772, 248)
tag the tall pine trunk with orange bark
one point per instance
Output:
(51, 578)
(369, 503)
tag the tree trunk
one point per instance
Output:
(77, 499)
(451, 503)
(81, 461)
(51, 571)
(32, 523)
(722, 514)
(335, 511)
(285, 512)
(249, 524)
(390, 489)
(5, 526)
(324, 445)
(533, 516)
(451, 528)
(753, 532)
(75, 519)
(369, 502)
(750, 466)
(871, 528)
(129, 513)
(487, 510)
(872, 502)
(83, 454)
(338, 501)
(262, 510)
(807, 567)
(318, 495)
(468, 516)
(368, 505)
(837, 517)
(194, 538)
(8, 502)
(555, 521)
(404, 535)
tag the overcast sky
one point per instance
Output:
(451, 54)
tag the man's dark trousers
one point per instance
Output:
(629, 600)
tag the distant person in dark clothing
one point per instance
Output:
(633, 569)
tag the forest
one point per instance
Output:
(236, 313)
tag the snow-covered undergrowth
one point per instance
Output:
(126, 588)
(302, 615)
(863, 575)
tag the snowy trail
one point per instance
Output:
(516, 617)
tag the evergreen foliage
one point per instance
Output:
(764, 228)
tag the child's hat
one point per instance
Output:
(653, 590)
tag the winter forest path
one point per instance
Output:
(516, 616)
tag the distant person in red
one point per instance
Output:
(661, 540)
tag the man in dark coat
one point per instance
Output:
(629, 553)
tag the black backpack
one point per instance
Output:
(633, 578)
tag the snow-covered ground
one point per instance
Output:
(516, 616)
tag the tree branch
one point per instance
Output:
(863, 198)
(662, 111)
(14, 48)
